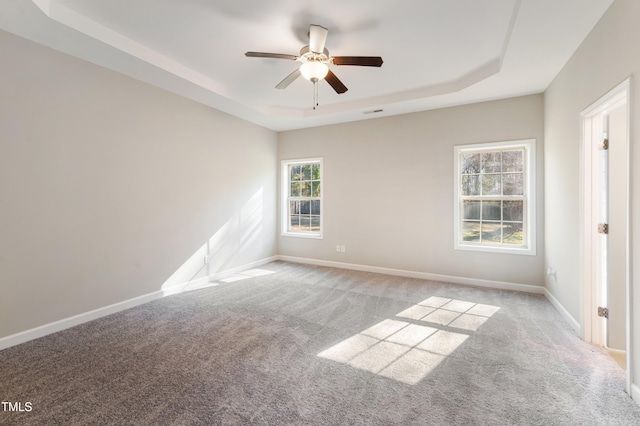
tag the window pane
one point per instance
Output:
(471, 185)
(305, 207)
(512, 161)
(491, 185)
(295, 173)
(493, 195)
(305, 223)
(512, 233)
(513, 184)
(295, 189)
(315, 223)
(295, 223)
(305, 189)
(471, 231)
(315, 171)
(294, 207)
(491, 210)
(315, 207)
(491, 162)
(471, 210)
(491, 232)
(470, 164)
(315, 188)
(306, 172)
(512, 210)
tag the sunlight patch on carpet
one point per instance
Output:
(408, 348)
(246, 275)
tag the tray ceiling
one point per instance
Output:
(436, 53)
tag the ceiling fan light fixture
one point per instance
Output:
(315, 59)
(314, 71)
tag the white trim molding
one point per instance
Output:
(285, 198)
(635, 393)
(203, 282)
(63, 324)
(592, 293)
(528, 198)
(501, 285)
(573, 323)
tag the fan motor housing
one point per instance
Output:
(306, 55)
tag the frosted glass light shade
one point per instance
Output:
(314, 71)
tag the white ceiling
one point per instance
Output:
(436, 53)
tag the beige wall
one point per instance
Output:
(388, 189)
(108, 185)
(607, 57)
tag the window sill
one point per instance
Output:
(302, 235)
(527, 251)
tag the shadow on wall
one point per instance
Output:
(218, 253)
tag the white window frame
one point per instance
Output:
(285, 198)
(529, 209)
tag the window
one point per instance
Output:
(302, 198)
(495, 197)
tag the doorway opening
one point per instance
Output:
(604, 223)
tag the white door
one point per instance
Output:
(600, 225)
(616, 157)
(609, 228)
(605, 222)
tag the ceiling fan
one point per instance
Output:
(315, 60)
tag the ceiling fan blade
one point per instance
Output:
(364, 61)
(288, 79)
(317, 38)
(270, 55)
(335, 83)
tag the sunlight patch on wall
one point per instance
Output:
(409, 348)
(217, 254)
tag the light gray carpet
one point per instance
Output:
(246, 352)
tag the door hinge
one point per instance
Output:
(603, 312)
(603, 228)
(605, 144)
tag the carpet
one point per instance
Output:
(291, 344)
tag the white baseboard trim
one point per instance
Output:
(188, 286)
(63, 324)
(575, 325)
(619, 352)
(208, 281)
(229, 272)
(420, 275)
(37, 332)
(635, 393)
